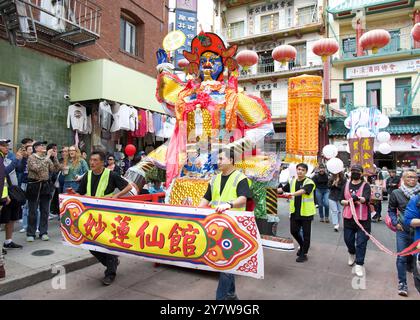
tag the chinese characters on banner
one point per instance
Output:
(185, 21)
(361, 153)
(166, 234)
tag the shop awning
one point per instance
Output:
(348, 5)
(104, 79)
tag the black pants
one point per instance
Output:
(43, 202)
(295, 226)
(55, 206)
(110, 261)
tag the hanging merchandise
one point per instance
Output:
(150, 127)
(96, 129)
(105, 115)
(77, 117)
(133, 119)
(141, 124)
(88, 129)
(116, 117)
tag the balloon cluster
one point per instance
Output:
(334, 165)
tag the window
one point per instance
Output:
(394, 43)
(301, 55)
(403, 95)
(266, 62)
(237, 30)
(266, 96)
(349, 48)
(306, 15)
(128, 36)
(346, 95)
(9, 96)
(373, 94)
(269, 22)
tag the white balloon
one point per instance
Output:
(384, 148)
(330, 151)
(363, 132)
(335, 165)
(383, 136)
(383, 121)
(348, 148)
(347, 123)
(284, 176)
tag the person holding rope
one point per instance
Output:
(354, 237)
(398, 201)
(412, 218)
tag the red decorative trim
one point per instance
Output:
(251, 266)
(250, 225)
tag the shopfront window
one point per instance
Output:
(346, 95)
(9, 97)
(373, 94)
(349, 48)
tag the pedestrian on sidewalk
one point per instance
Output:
(355, 239)
(398, 201)
(74, 168)
(336, 184)
(393, 181)
(12, 210)
(101, 182)
(55, 186)
(229, 190)
(412, 219)
(376, 204)
(322, 193)
(40, 165)
(4, 198)
(302, 209)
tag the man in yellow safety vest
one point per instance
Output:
(302, 208)
(229, 190)
(101, 182)
(4, 198)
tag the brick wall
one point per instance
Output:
(154, 15)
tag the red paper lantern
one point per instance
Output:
(325, 48)
(247, 58)
(374, 40)
(284, 53)
(130, 150)
(183, 63)
(415, 32)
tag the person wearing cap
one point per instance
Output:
(12, 210)
(40, 165)
(322, 193)
(354, 237)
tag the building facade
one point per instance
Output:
(263, 25)
(388, 80)
(53, 52)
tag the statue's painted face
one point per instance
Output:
(213, 62)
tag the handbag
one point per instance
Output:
(16, 193)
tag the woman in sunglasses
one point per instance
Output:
(113, 166)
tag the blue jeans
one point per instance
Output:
(403, 241)
(322, 201)
(336, 210)
(354, 236)
(226, 287)
(71, 184)
(25, 214)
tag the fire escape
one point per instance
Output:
(74, 22)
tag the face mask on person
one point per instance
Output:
(356, 175)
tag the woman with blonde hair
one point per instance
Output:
(74, 168)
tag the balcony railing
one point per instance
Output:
(389, 110)
(297, 21)
(400, 41)
(278, 109)
(76, 22)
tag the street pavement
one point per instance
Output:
(324, 276)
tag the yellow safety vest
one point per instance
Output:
(229, 191)
(307, 207)
(5, 192)
(103, 183)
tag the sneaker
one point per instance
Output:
(30, 239)
(352, 259)
(37, 231)
(3, 251)
(403, 289)
(23, 230)
(359, 270)
(336, 227)
(2, 273)
(232, 297)
(108, 280)
(327, 220)
(302, 258)
(298, 252)
(45, 237)
(12, 245)
(321, 220)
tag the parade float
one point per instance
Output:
(212, 113)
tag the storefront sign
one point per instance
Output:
(382, 69)
(190, 5)
(186, 21)
(183, 236)
(270, 7)
(361, 153)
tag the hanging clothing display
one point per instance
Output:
(150, 127)
(141, 124)
(77, 117)
(105, 115)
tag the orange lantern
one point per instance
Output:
(325, 48)
(247, 58)
(375, 40)
(415, 32)
(284, 53)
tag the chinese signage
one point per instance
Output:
(270, 7)
(185, 21)
(382, 69)
(181, 236)
(361, 153)
(190, 5)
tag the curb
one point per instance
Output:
(42, 274)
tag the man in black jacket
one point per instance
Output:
(322, 193)
(392, 182)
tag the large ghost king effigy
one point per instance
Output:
(211, 113)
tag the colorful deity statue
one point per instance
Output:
(211, 112)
